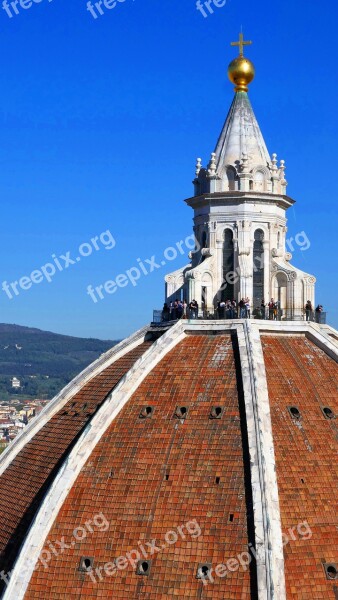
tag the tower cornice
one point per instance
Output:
(236, 198)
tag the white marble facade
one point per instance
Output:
(240, 197)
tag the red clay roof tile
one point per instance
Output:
(300, 374)
(151, 476)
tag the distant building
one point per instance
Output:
(16, 384)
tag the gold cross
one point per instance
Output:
(241, 44)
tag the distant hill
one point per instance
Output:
(43, 361)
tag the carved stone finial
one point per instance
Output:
(198, 165)
(212, 164)
(274, 163)
(245, 163)
(282, 172)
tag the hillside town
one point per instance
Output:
(14, 416)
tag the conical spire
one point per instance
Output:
(241, 161)
(240, 136)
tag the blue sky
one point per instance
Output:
(101, 121)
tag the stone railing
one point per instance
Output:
(269, 315)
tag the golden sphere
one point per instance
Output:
(241, 72)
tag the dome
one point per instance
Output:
(193, 459)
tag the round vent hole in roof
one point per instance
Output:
(86, 563)
(143, 567)
(216, 412)
(331, 571)
(146, 412)
(294, 412)
(203, 570)
(181, 412)
(328, 413)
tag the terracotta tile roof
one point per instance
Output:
(150, 476)
(24, 483)
(300, 374)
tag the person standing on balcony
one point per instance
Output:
(228, 310)
(319, 311)
(193, 308)
(221, 310)
(165, 312)
(309, 311)
(247, 308)
(179, 310)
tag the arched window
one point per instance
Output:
(228, 265)
(203, 243)
(259, 181)
(231, 177)
(280, 292)
(258, 269)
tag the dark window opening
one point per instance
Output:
(302, 480)
(146, 412)
(331, 571)
(258, 269)
(216, 412)
(203, 570)
(228, 266)
(204, 298)
(167, 476)
(328, 413)
(111, 474)
(294, 412)
(231, 518)
(85, 406)
(86, 563)
(218, 479)
(181, 412)
(143, 567)
(203, 244)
